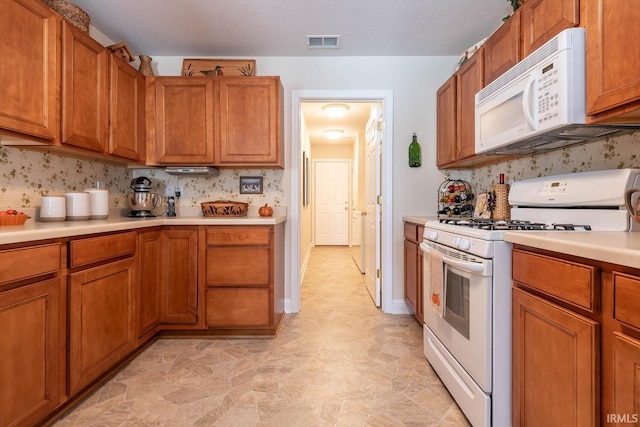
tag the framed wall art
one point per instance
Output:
(305, 179)
(250, 185)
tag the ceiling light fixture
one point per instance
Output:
(336, 111)
(333, 134)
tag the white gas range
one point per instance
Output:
(467, 280)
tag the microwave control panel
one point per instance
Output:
(548, 94)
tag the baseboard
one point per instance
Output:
(400, 307)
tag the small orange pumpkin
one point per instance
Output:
(265, 210)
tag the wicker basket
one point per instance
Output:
(224, 208)
(502, 211)
(72, 13)
(19, 219)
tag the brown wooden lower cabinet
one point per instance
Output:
(84, 305)
(555, 361)
(243, 274)
(413, 281)
(576, 341)
(149, 280)
(31, 381)
(179, 289)
(102, 305)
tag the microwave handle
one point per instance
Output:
(526, 98)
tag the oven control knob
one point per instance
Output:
(464, 244)
(455, 241)
(432, 235)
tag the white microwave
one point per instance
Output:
(539, 104)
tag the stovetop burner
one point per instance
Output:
(492, 224)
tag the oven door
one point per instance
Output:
(465, 327)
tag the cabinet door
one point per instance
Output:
(470, 78)
(28, 70)
(543, 19)
(612, 54)
(250, 122)
(85, 95)
(184, 111)
(556, 359)
(502, 49)
(446, 122)
(411, 275)
(30, 352)
(127, 123)
(149, 280)
(102, 326)
(179, 289)
(624, 383)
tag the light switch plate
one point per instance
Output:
(169, 191)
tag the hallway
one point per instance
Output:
(339, 362)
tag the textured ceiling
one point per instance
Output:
(279, 27)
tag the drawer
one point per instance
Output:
(411, 232)
(96, 249)
(238, 235)
(33, 261)
(626, 299)
(243, 266)
(233, 307)
(569, 281)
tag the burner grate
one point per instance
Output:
(492, 224)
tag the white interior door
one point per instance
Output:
(331, 185)
(371, 241)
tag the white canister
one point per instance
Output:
(99, 201)
(78, 206)
(53, 208)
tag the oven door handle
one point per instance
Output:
(473, 267)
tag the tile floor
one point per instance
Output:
(339, 362)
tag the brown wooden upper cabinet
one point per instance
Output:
(446, 122)
(127, 111)
(502, 50)
(29, 86)
(85, 91)
(543, 19)
(250, 122)
(184, 120)
(456, 144)
(470, 79)
(613, 61)
(218, 121)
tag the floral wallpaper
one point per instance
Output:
(226, 186)
(611, 153)
(26, 175)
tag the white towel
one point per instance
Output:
(436, 296)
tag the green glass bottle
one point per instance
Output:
(415, 153)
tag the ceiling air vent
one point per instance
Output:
(323, 42)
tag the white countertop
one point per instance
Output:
(33, 230)
(419, 219)
(615, 247)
